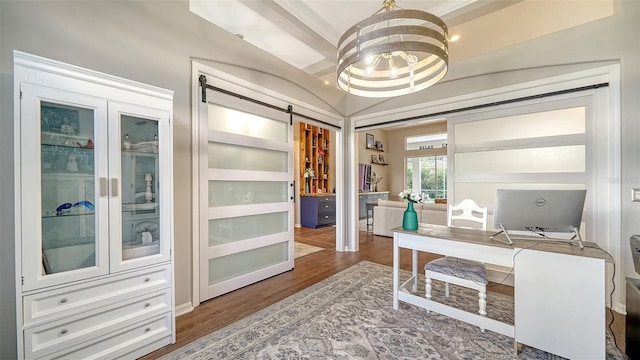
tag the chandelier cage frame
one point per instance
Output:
(416, 53)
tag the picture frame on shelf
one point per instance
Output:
(381, 159)
(374, 159)
(378, 145)
(370, 141)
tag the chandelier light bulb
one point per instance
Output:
(392, 68)
(369, 59)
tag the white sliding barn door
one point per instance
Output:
(246, 187)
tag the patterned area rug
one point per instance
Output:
(300, 249)
(350, 316)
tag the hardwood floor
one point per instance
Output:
(219, 312)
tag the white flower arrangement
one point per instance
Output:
(308, 173)
(408, 195)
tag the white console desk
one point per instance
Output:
(559, 289)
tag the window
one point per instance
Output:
(427, 176)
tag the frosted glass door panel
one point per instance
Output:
(67, 188)
(229, 193)
(532, 146)
(249, 190)
(237, 157)
(237, 122)
(141, 225)
(569, 121)
(235, 265)
(228, 230)
(533, 160)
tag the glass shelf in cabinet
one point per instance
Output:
(52, 214)
(75, 147)
(145, 147)
(58, 139)
(141, 206)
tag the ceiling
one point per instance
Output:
(305, 33)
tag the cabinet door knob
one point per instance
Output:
(147, 329)
(147, 305)
(147, 279)
(63, 331)
(63, 300)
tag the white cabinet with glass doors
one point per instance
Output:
(94, 217)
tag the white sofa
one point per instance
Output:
(388, 215)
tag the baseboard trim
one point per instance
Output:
(184, 309)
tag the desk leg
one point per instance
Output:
(414, 263)
(396, 272)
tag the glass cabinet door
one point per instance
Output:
(136, 136)
(60, 135)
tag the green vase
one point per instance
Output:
(410, 219)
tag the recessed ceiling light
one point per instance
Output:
(453, 38)
(326, 82)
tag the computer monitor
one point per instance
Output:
(539, 211)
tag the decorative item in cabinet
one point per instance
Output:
(105, 207)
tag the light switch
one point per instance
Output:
(635, 194)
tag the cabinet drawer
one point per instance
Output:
(326, 206)
(68, 332)
(118, 344)
(326, 218)
(63, 302)
(327, 200)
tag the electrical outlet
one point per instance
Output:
(635, 194)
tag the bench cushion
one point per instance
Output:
(460, 268)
